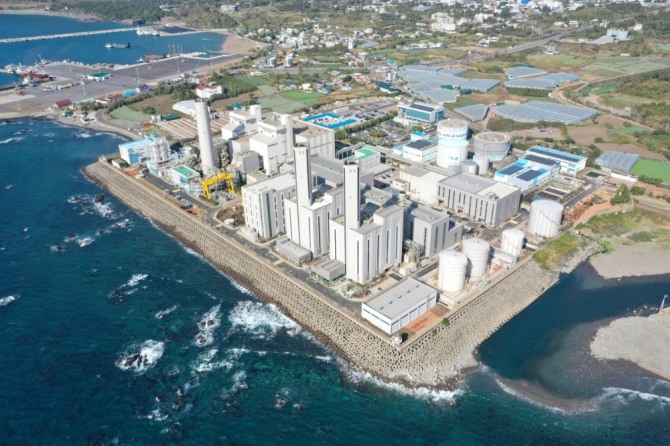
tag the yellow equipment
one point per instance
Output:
(216, 180)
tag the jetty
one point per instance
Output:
(433, 359)
(61, 36)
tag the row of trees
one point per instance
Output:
(343, 133)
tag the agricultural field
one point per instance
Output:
(127, 118)
(309, 99)
(653, 169)
(280, 104)
(617, 66)
(557, 62)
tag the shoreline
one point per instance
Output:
(437, 360)
(640, 260)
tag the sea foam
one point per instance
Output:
(261, 320)
(142, 357)
(8, 300)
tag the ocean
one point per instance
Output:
(88, 49)
(86, 287)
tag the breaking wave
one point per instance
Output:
(161, 314)
(261, 320)
(8, 300)
(127, 289)
(626, 396)
(209, 322)
(142, 357)
(9, 140)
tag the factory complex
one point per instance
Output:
(403, 232)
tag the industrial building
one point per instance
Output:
(617, 161)
(399, 305)
(241, 122)
(452, 141)
(570, 164)
(185, 178)
(264, 205)
(431, 228)
(367, 242)
(545, 218)
(528, 172)
(479, 199)
(155, 149)
(418, 113)
(365, 157)
(421, 151)
(421, 184)
(308, 215)
(494, 145)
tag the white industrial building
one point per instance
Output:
(399, 305)
(241, 122)
(273, 142)
(418, 113)
(570, 164)
(154, 149)
(443, 22)
(308, 216)
(420, 151)
(367, 244)
(479, 199)
(421, 184)
(431, 228)
(264, 205)
(209, 90)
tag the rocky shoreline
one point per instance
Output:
(435, 360)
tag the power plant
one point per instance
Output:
(545, 218)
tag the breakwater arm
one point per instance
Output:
(431, 360)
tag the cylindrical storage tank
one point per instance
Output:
(495, 145)
(512, 241)
(469, 167)
(452, 129)
(477, 251)
(483, 163)
(451, 271)
(545, 218)
(452, 153)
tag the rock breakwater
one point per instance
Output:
(433, 360)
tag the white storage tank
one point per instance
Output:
(451, 271)
(512, 241)
(477, 251)
(469, 167)
(483, 163)
(452, 129)
(545, 218)
(451, 154)
(495, 145)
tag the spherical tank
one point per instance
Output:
(545, 218)
(452, 129)
(477, 251)
(512, 241)
(495, 145)
(451, 272)
(483, 163)
(469, 167)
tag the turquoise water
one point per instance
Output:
(89, 49)
(121, 287)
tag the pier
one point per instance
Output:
(61, 36)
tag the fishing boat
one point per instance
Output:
(117, 45)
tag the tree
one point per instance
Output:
(622, 196)
(637, 190)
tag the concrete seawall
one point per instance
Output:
(431, 360)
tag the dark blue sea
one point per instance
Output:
(88, 49)
(85, 286)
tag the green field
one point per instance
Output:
(616, 66)
(254, 80)
(600, 89)
(653, 168)
(267, 90)
(127, 118)
(556, 62)
(280, 104)
(309, 99)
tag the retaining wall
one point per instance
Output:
(432, 360)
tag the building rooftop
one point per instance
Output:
(468, 182)
(278, 182)
(564, 156)
(400, 298)
(420, 144)
(618, 160)
(532, 174)
(362, 153)
(186, 172)
(427, 214)
(499, 189)
(539, 160)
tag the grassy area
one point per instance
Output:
(309, 99)
(621, 100)
(462, 102)
(553, 253)
(255, 80)
(636, 226)
(558, 62)
(615, 66)
(600, 89)
(653, 168)
(280, 104)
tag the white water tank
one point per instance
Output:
(483, 163)
(469, 167)
(477, 251)
(451, 129)
(512, 241)
(451, 271)
(451, 154)
(495, 145)
(545, 218)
